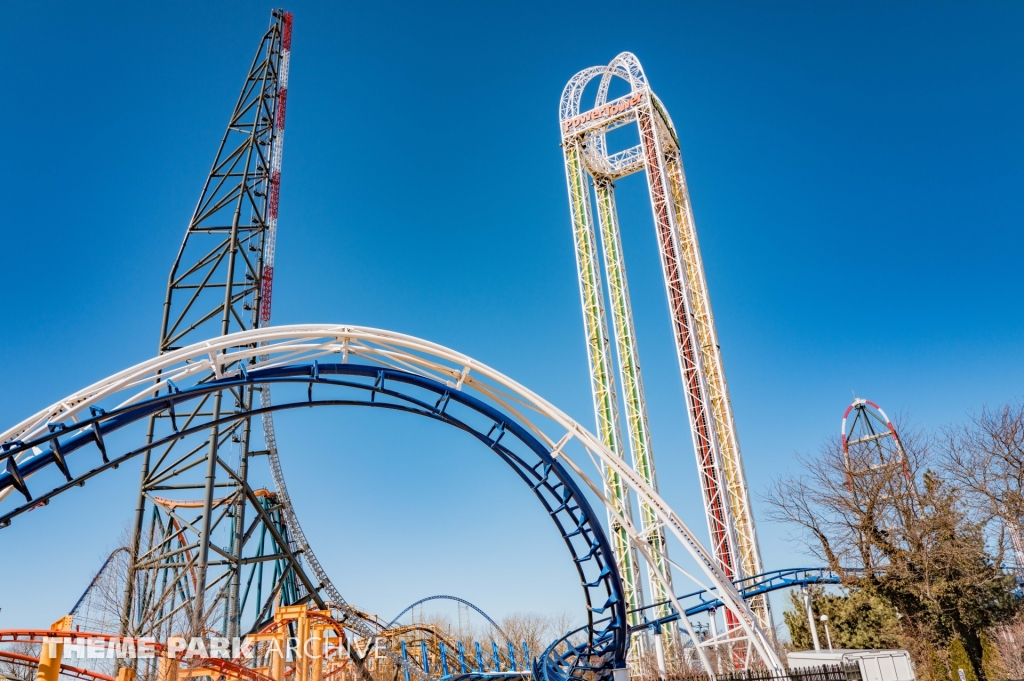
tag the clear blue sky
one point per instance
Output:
(855, 174)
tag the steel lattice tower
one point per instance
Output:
(723, 484)
(221, 282)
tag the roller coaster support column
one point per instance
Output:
(305, 631)
(602, 381)
(720, 466)
(168, 670)
(444, 658)
(810, 618)
(748, 553)
(279, 654)
(199, 618)
(714, 637)
(318, 633)
(302, 649)
(216, 286)
(659, 652)
(632, 389)
(52, 652)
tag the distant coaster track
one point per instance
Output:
(749, 588)
(449, 598)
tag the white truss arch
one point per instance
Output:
(284, 345)
(625, 66)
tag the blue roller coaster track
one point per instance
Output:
(764, 583)
(605, 634)
(703, 601)
(767, 582)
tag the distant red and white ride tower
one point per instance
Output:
(870, 442)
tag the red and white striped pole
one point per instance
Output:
(267, 284)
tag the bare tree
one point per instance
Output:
(23, 671)
(985, 457)
(1009, 640)
(905, 533)
(536, 630)
(851, 520)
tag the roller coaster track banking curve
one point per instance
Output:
(750, 587)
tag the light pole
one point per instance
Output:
(828, 636)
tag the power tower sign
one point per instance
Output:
(603, 114)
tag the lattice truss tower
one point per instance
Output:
(191, 537)
(719, 463)
(210, 552)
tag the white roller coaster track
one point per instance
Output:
(285, 345)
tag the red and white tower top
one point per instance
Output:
(869, 441)
(275, 169)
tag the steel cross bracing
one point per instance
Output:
(69, 426)
(215, 283)
(749, 554)
(188, 563)
(222, 281)
(723, 484)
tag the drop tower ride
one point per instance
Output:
(588, 161)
